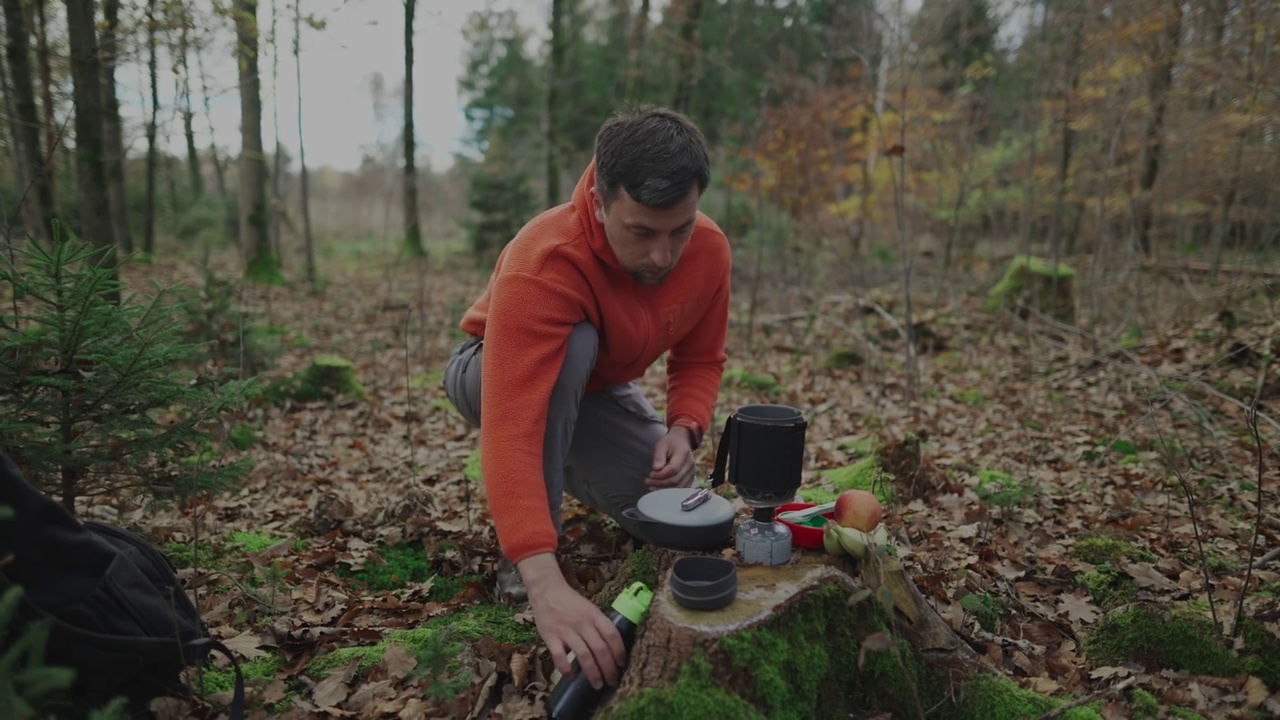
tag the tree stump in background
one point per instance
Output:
(1033, 283)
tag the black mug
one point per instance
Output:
(762, 447)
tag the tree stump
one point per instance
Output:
(819, 637)
(1033, 283)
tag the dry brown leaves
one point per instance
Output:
(1081, 433)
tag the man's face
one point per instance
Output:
(647, 241)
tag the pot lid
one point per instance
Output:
(664, 506)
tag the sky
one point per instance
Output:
(361, 38)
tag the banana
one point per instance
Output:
(830, 540)
(854, 542)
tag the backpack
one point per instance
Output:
(115, 609)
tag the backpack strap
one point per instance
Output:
(237, 696)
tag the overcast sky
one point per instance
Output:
(362, 37)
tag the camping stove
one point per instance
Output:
(766, 457)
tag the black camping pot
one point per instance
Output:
(665, 524)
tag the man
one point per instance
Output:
(580, 303)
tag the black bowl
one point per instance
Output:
(702, 582)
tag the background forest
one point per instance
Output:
(1015, 259)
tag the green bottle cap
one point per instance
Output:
(633, 602)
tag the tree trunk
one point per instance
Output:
(412, 229)
(1153, 137)
(149, 212)
(112, 127)
(261, 265)
(11, 132)
(555, 68)
(635, 48)
(686, 68)
(91, 171)
(195, 177)
(307, 240)
(26, 130)
(277, 160)
(220, 178)
(52, 138)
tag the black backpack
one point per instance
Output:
(115, 609)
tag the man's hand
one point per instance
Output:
(568, 622)
(672, 460)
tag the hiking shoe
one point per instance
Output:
(510, 585)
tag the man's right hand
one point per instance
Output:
(568, 622)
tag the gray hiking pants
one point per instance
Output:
(598, 446)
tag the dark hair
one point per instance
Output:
(654, 154)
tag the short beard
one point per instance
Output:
(640, 278)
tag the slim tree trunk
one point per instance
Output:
(635, 48)
(220, 178)
(196, 178)
(52, 138)
(149, 213)
(1153, 136)
(686, 69)
(308, 242)
(555, 67)
(112, 128)
(1072, 62)
(412, 229)
(277, 161)
(39, 203)
(261, 264)
(91, 171)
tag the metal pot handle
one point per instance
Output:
(633, 513)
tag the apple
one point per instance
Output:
(858, 509)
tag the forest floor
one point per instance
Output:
(353, 569)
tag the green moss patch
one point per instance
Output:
(1158, 640)
(470, 624)
(393, 567)
(995, 697)
(866, 474)
(694, 695)
(327, 377)
(264, 668)
(252, 542)
(843, 358)
(737, 377)
(1103, 549)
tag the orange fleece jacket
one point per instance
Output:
(559, 271)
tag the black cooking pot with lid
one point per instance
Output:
(666, 524)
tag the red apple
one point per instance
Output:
(858, 509)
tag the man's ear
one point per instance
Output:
(598, 203)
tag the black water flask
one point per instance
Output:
(573, 697)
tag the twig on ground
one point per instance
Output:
(1262, 561)
(1089, 699)
(1251, 421)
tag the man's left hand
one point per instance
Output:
(672, 460)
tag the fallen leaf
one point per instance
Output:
(245, 645)
(330, 691)
(1106, 672)
(397, 661)
(1078, 609)
(519, 670)
(1147, 576)
(1255, 691)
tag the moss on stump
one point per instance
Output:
(1035, 283)
(789, 647)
